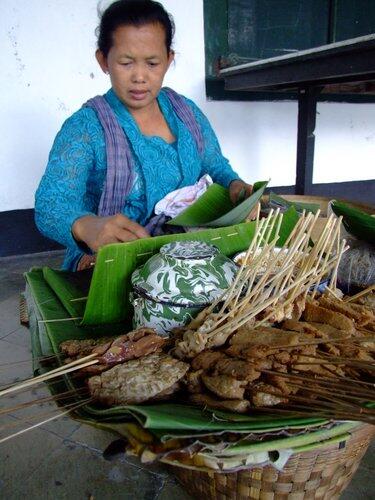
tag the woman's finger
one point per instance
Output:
(125, 223)
(123, 235)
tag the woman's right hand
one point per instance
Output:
(98, 231)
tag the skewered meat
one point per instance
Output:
(306, 364)
(359, 314)
(250, 351)
(282, 383)
(368, 301)
(206, 359)
(81, 348)
(194, 383)
(236, 368)
(224, 386)
(319, 314)
(265, 336)
(138, 380)
(111, 351)
(134, 345)
(266, 395)
(237, 405)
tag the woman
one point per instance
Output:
(116, 157)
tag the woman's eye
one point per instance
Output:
(125, 63)
(153, 64)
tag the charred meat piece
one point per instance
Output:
(124, 349)
(266, 395)
(206, 360)
(306, 364)
(194, 383)
(236, 368)
(358, 313)
(81, 348)
(285, 385)
(250, 351)
(367, 300)
(225, 387)
(265, 336)
(138, 380)
(336, 319)
(237, 405)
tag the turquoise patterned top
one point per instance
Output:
(73, 181)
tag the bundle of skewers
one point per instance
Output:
(275, 344)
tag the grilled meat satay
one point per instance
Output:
(315, 313)
(263, 394)
(194, 382)
(131, 346)
(359, 314)
(80, 348)
(138, 380)
(236, 368)
(206, 359)
(367, 300)
(264, 335)
(224, 386)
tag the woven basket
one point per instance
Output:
(320, 473)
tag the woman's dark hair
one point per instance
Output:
(133, 13)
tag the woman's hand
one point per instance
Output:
(98, 231)
(239, 190)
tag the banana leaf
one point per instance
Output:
(216, 202)
(276, 201)
(356, 222)
(108, 299)
(165, 421)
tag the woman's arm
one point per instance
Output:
(64, 209)
(61, 197)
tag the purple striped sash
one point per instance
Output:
(120, 165)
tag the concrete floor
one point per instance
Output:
(63, 459)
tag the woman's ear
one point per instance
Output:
(102, 60)
(171, 57)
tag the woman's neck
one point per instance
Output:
(147, 114)
(151, 122)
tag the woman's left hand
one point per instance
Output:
(239, 190)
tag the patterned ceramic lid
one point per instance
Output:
(185, 273)
(189, 250)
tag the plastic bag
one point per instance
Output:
(357, 267)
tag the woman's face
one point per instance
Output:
(137, 63)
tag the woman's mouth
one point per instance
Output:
(138, 95)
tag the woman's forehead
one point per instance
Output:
(140, 38)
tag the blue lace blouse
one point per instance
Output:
(73, 181)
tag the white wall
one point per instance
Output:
(48, 70)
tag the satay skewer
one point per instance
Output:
(58, 372)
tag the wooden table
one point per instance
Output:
(309, 71)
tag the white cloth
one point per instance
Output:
(176, 201)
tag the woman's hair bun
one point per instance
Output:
(133, 13)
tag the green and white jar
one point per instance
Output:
(173, 286)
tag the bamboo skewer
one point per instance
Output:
(360, 294)
(56, 397)
(58, 372)
(71, 409)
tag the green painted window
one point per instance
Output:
(240, 31)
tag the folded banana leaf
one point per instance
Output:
(105, 299)
(216, 202)
(356, 222)
(276, 201)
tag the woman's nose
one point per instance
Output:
(139, 74)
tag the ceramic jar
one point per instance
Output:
(173, 286)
